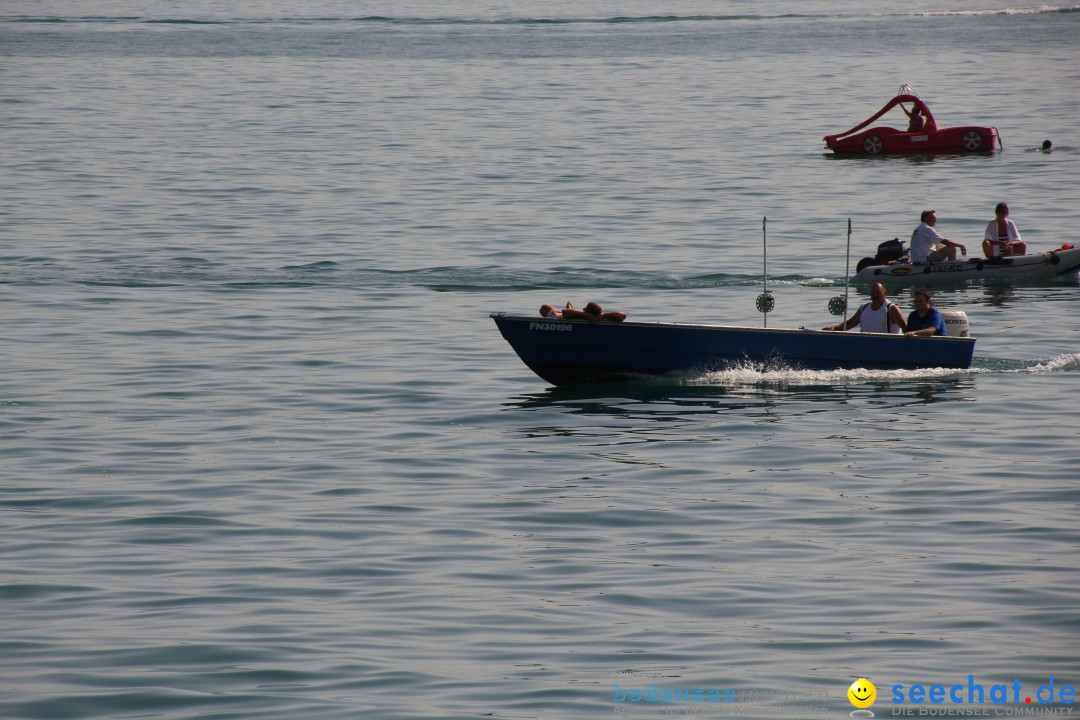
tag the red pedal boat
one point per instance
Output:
(921, 135)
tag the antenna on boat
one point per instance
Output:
(847, 269)
(838, 305)
(765, 301)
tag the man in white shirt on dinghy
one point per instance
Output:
(927, 244)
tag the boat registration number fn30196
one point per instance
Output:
(556, 327)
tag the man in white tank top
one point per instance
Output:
(877, 316)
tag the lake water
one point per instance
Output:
(264, 454)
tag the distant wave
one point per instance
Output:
(504, 280)
(614, 20)
(1037, 10)
(196, 271)
(130, 19)
(385, 20)
(445, 279)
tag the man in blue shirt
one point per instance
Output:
(924, 319)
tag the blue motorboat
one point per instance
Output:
(564, 352)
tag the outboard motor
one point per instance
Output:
(956, 323)
(890, 250)
(887, 252)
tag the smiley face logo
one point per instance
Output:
(862, 693)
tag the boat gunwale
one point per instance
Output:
(705, 326)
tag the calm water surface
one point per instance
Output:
(264, 455)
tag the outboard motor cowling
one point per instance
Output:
(956, 323)
(890, 250)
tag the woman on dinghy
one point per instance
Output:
(1001, 237)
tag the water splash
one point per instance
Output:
(764, 376)
(1062, 363)
(758, 376)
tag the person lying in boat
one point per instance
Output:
(927, 244)
(549, 311)
(592, 312)
(924, 319)
(1001, 237)
(877, 316)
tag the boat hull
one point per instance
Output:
(1025, 267)
(564, 352)
(890, 140)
